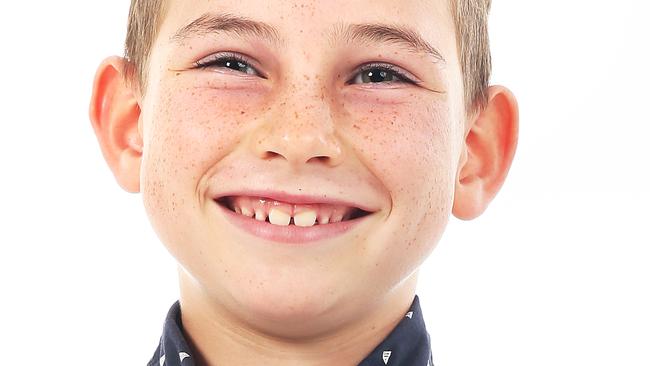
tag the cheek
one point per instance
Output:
(189, 129)
(408, 144)
(409, 147)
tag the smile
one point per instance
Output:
(288, 222)
(284, 214)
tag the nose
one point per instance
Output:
(299, 129)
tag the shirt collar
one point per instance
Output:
(408, 344)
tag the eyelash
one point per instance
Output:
(367, 67)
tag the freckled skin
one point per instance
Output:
(396, 149)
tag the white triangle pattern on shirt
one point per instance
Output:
(183, 356)
(386, 356)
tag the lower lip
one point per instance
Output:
(291, 234)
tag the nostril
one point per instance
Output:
(322, 158)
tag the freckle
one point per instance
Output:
(178, 73)
(242, 112)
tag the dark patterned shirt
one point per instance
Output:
(408, 344)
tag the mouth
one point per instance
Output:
(285, 213)
(289, 222)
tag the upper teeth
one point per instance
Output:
(277, 217)
(305, 218)
(260, 215)
(281, 213)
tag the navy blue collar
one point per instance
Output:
(408, 344)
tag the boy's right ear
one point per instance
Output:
(115, 117)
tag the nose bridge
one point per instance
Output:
(305, 103)
(299, 126)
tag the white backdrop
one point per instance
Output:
(556, 272)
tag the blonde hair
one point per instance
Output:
(470, 18)
(473, 42)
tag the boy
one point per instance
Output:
(300, 161)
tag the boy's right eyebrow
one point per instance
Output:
(367, 33)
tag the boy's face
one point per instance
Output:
(304, 120)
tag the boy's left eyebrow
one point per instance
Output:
(243, 27)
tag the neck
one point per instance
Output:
(219, 337)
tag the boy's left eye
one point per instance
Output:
(376, 73)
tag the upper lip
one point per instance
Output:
(297, 198)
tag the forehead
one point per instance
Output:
(420, 26)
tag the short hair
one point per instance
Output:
(472, 41)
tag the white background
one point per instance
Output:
(556, 272)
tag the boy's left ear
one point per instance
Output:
(115, 117)
(487, 154)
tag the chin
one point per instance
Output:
(286, 309)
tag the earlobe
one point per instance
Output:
(115, 117)
(487, 154)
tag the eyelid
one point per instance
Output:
(402, 74)
(405, 75)
(206, 61)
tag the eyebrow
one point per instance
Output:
(403, 36)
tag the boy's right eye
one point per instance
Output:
(226, 60)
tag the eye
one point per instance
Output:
(376, 73)
(227, 60)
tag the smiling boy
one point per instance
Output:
(300, 160)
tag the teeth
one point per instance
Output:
(305, 218)
(246, 212)
(336, 217)
(278, 217)
(260, 215)
(277, 213)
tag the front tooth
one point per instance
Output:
(305, 218)
(260, 215)
(278, 217)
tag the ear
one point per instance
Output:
(115, 117)
(487, 153)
